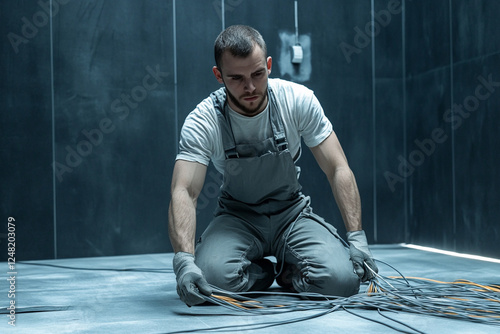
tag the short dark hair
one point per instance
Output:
(240, 40)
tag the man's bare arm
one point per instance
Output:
(187, 181)
(332, 160)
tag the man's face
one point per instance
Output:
(245, 80)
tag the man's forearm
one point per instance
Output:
(345, 191)
(182, 222)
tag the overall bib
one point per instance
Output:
(261, 212)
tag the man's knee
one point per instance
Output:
(329, 280)
(238, 276)
(341, 283)
(222, 274)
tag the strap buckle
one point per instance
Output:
(281, 143)
(231, 153)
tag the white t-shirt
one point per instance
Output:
(300, 110)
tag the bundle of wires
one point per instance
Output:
(461, 299)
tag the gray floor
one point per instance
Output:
(58, 300)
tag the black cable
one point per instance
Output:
(35, 309)
(377, 321)
(152, 270)
(400, 322)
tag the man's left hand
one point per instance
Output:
(361, 255)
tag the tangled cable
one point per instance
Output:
(461, 299)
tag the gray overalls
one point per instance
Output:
(261, 212)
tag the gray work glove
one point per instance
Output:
(191, 285)
(361, 255)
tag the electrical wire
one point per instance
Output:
(383, 323)
(152, 270)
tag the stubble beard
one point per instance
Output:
(247, 111)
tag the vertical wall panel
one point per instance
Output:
(477, 128)
(475, 29)
(476, 87)
(25, 130)
(389, 122)
(453, 199)
(428, 163)
(427, 36)
(115, 128)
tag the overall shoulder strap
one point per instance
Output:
(219, 100)
(277, 122)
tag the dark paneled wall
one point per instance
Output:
(453, 124)
(430, 184)
(388, 119)
(114, 107)
(26, 131)
(109, 133)
(123, 75)
(476, 63)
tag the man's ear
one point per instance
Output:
(218, 74)
(269, 65)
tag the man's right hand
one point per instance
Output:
(361, 255)
(191, 285)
